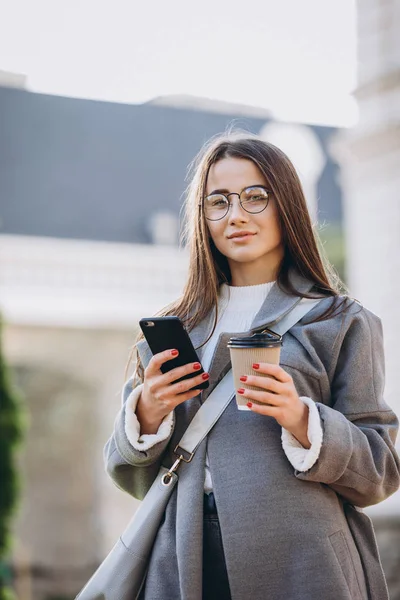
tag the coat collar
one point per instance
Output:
(278, 303)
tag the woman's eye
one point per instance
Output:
(255, 198)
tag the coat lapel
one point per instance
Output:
(274, 308)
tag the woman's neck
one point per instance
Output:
(244, 277)
(262, 270)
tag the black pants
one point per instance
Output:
(215, 577)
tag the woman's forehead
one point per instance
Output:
(233, 174)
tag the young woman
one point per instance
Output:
(267, 507)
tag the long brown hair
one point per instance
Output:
(208, 268)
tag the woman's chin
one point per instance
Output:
(244, 256)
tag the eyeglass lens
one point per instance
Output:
(252, 199)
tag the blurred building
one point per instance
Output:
(369, 155)
(90, 200)
(12, 80)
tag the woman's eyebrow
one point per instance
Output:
(219, 191)
(225, 191)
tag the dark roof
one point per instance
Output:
(86, 169)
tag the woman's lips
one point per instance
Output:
(242, 238)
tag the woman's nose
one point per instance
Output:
(236, 212)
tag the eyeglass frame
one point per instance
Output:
(240, 202)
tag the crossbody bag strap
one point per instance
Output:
(295, 315)
(209, 412)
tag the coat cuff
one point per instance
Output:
(132, 425)
(302, 459)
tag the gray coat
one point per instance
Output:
(287, 535)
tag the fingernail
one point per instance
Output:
(174, 352)
(256, 366)
(196, 366)
(249, 404)
(241, 391)
(205, 376)
(243, 378)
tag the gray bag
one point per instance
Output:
(122, 574)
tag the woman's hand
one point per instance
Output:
(279, 399)
(160, 395)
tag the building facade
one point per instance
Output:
(88, 191)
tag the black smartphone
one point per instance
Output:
(163, 333)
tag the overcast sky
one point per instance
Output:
(296, 57)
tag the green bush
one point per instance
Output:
(12, 424)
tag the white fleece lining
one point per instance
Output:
(132, 425)
(302, 458)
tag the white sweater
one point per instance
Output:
(237, 308)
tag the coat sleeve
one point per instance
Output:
(132, 470)
(358, 458)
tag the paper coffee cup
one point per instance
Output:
(245, 351)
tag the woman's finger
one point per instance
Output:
(266, 383)
(176, 389)
(267, 411)
(273, 370)
(171, 376)
(267, 398)
(176, 400)
(156, 361)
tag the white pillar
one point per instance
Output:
(302, 146)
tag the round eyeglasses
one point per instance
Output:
(253, 199)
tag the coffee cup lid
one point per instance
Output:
(257, 340)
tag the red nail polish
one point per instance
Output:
(205, 376)
(241, 391)
(249, 404)
(256, 366)
(174, 352)
(196, 366)
(243, 378)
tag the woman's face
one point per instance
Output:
(255, 256)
